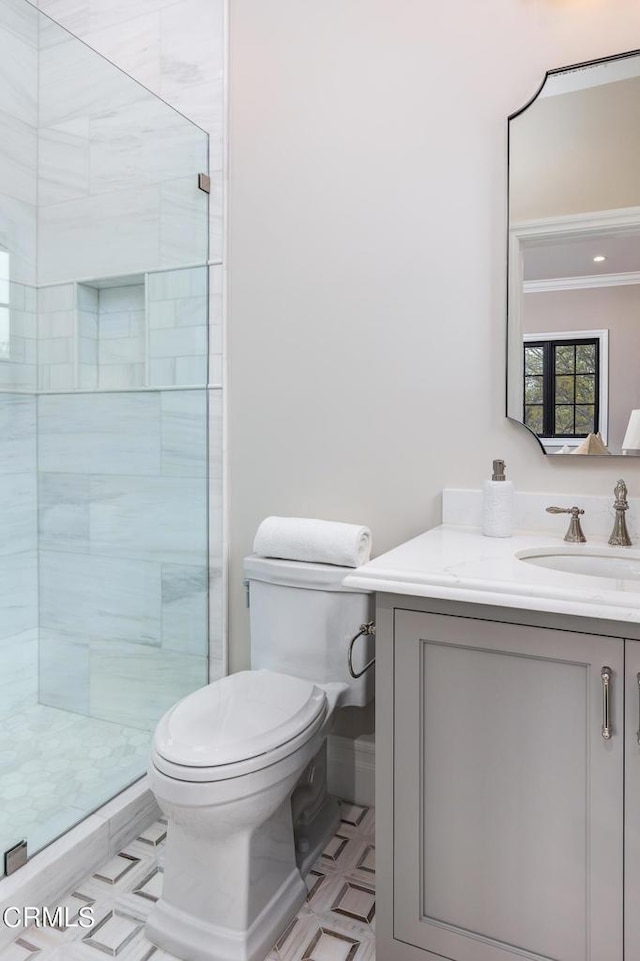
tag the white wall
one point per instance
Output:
(367, 255)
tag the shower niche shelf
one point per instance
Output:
(124, 333)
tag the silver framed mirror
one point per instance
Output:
(573, 293)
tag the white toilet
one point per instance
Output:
(239, 768)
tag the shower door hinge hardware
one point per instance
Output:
(15, 857)
(204, 183)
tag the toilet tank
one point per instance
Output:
(302, 620)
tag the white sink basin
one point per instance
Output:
(615, 564)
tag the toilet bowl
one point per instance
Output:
(228, 765)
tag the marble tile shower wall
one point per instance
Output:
(87, 308)
(117, 168)
(18, 554)
(116, 625)
(18, 136)
(123, 551)
(177, 309)
(56, 337)
(18, 345)
(124, 657)
(176, 49)
(18, 174)
(121, 343)
(153, 333)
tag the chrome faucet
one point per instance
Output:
(574, 533)
(620, 534)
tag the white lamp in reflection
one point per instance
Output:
(631, 441)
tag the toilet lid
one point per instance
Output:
(236, 718)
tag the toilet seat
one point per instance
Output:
(241, 723)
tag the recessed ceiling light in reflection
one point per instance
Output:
(599, 259)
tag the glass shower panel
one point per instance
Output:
(118, 170)
(18, 504)
(104, 565)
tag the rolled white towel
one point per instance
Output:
(314, 541)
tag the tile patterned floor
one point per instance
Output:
(336, 923)
(56, 767)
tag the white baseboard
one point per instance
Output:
(351, 768)
(55, 870)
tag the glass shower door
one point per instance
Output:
(103, 424)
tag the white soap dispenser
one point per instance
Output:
(497, 503)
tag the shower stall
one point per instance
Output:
(104, 424)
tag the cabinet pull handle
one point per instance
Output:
(606, 674)
(638, 731)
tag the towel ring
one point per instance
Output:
(365, 629)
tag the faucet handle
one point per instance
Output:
(620, 493)
(620, 534)
(574, 533)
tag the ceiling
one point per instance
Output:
(553, 258)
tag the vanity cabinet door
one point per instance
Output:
(632, 802)
(508, 800)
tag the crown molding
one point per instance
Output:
(581, 283)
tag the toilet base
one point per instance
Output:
(312, 840)
(179, 933)
(316, 814)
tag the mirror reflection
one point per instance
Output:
(574, 260)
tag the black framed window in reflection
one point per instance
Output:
(562, 387)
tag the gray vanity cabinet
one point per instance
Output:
(632, 802)
(501, 805)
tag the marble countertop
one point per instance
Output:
(458, 563)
